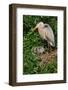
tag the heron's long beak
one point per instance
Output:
(34, 29)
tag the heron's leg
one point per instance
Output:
(49, 48)
(45, 44)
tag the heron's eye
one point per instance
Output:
(46, 25)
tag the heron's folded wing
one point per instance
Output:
(50, 38)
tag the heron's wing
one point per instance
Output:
(50, 37)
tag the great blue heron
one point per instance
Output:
(46, 33)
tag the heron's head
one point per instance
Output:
(38, 26)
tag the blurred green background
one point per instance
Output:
(30, 61)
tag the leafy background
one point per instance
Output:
(31, 62)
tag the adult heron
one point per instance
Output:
(46, 33)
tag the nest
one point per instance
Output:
(43, 55)
(48, 56)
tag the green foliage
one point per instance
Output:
(32, 39)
